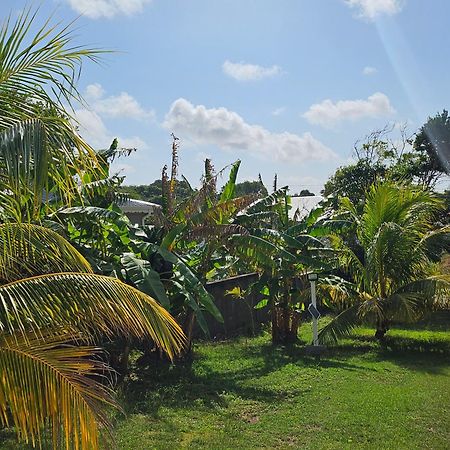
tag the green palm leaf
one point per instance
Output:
(342, 325)
(24, 159)
(39, 68)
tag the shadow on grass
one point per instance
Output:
(198, 383)
(434, 321)
(160, 384)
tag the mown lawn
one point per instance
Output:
(246, 394)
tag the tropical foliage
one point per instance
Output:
(53, 307)
(76, 275)
(394, 274)
(47, 311)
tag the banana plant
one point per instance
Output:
(301, 246)
(208, 233)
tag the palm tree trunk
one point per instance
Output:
(382, 329)
(188, 328)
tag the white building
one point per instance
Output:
(138, 210)
(304, 205)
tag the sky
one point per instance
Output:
(287, 86)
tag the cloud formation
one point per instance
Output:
(368, 70)
(96, 133)
(122, 105)
(95, 9)
(228, 130)
(328, 113)
(91, 121)
(249, 72)
(371, 9)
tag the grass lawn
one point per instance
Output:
(246, 394)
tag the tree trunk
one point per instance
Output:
(188, 328)
(285, 324)
(382, 329)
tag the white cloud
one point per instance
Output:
(328, 113)
(227, 130)
(94, 9)
(122, 105)
(368, 70)
(94, 91)
(278, 111)
(92, 128)
(96, 133)
(249, 72)
(371, 9)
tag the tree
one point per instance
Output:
(374, 157)
(306, 193)
(153, 192)
(432, 143)
(250, 187)
(52, 303)
(394, 277)
(293, 248)
(38, 74)
(380, 157)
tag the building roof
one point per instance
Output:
(304, 205)
(133, 205)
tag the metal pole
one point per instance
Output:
(315, 321)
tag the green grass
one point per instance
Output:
(246, 394)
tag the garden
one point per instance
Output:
(105, 325)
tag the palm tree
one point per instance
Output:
(52, 306)
(38, 74)
(394, 275)
(51, 302)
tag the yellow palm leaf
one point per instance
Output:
(47, 382)
(29, 250)
(90, 304)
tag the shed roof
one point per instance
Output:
(133, 205)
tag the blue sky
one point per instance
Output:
(287, 86)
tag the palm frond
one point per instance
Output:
(337, 292)
(90, 212)
(46, 58)
(436, 242)
(340, 326)
(48, 382)
(87, 303)
(404, 306)
(434, 291)
(28, 250)
(39, 69)
(24, 161)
